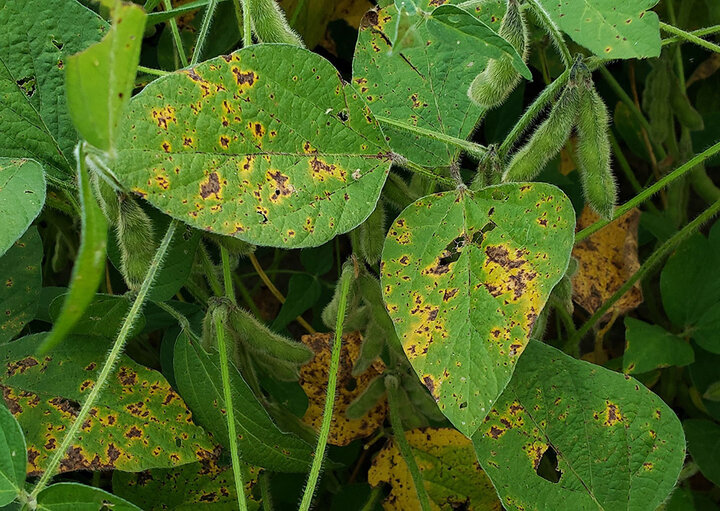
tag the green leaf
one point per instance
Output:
(464, 277)
(204, 485)
(713, 392)
(704, 373)
(260, 442)
(20, 282)
(78, 497)
(651, 347)
(89, 265)
(703, 439)
(705, 331)
(613, 29)
(267, 144)
(37, 38)
(140, 422)
(22, 196)
(303, 292)
(103, 316)
(425, 85)
(12, 458)
(617, 445)
(100, 80)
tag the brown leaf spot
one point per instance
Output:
(211, 186)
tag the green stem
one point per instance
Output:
(414, 167)
(180, 318)
(247, 24)
(391, 385)
(227, 275)
(176, 35)
(204, 29)
(151, 71)
(622, 161)
(553, 31)
(700, 32)
(689, 37)
(210, 274)
(472, 148)
(110, 362)
(265, 490)
(650, 191)
(651, 262)
(372, 502)
(230, 412)
(319, 455)
(245, 293)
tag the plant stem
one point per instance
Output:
(700, 32)
(414, 167)
(553, 31)
(622, 161)
(247, 24)
(230, 412)
(151, 71)
(176, 35)
(652, 261)
(110, 362)
(276, 292)
(179, 317)
(227, 275)
(243, 290)
(265, 490)
(319, 455)
(210, 274)
(204, 29)
(689, 37)
(375, 495)
(391, 385)
(650, 191)
(472, 148)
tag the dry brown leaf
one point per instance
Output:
(314, 378)
(453, 477)
(706, 69)
(606, 260)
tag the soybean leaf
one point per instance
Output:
(617, 445)
(100, 80)
(267, 144)
(20, 281)
(425, 85)
(704, 374)
(78, 497)
(651, 347)
(139, 423)
(613, 29)
(22, 195)
(90, 262)
(452, 476)
(703, 439)
(464, 277)
(36, 40)
(260, 442)
(188, 487)
(103, 316)
(12, 458)
(303, 292)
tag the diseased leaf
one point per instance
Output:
(267, 144)
(424, 85)
(651, 347)
(613, 29)
(100, 80)
(203, 484)
(12, 458)
(34, 120)
(703, 439)
(606, 260)
(464, 277)
(78, 497)
(22, 196)
(20, 282)
(617, 445)
(453, 478)
(314, 379)
(140, 422)
(259, 441)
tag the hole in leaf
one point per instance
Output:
(27, 85)
(351, 384)
(463, 405)
(178, 442)
(452, 251)
(480, 235)
(342, 115)
(548, 466)
(57, 44)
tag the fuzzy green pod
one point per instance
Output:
(362, 404)
(270, 25)
(684, 110)
(493, 86)
(561, 295)
(136, 240)
(368, 237)
(106, 197)
(281, 370)
(216, 307)
(261, 340)
(371, 348)
(329, 313)
(232, 245)
(422, 400)
(593, 154)
(397, 193)
(489, 170)
(656, 100)
(547, 140)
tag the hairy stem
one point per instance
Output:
(151, 71)
(204, 29)
(109, 365)
(553, 31)
(700, 32)
(176, 35)
(227, 275)
(690, 37)
(319, 456)
(247, 24)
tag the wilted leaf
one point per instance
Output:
(267, 144)
(702, 437)
(314, 378)
(706, 69)
(12, 458)
(20, 281)
(464, 277)
(617, 445)
(606, 260)
(649, 347)
(452, 476)
(139, 423)
(203, 484)
(613, 29)
(22, 196)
